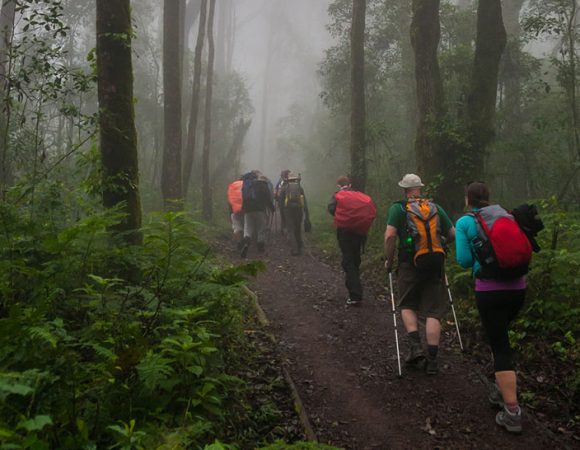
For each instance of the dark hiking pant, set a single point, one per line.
(497, 310)
(294, 218)
(351, 246)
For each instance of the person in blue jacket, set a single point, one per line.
(498, 302)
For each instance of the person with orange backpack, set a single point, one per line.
(353, 213)
(491, 242)
(419, 224)
(236, 213)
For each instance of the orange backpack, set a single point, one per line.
(235, 196)
(424, 228)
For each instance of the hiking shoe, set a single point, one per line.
(431, 366)
(511, 422)
(245, 248)
(416, 354)
(351, 302)
(494, 396)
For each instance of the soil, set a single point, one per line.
(343, 361)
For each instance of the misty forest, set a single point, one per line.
(171, 277)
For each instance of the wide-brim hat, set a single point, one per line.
(292, 176)
(411, 180)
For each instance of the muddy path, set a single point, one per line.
(343, 362)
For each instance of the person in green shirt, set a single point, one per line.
(420, 292)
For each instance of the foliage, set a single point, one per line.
(100, 362)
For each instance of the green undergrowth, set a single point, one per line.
(90, 360)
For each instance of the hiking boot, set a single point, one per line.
(245, 248)
(495, 397)
(416, 354)
(511, 422)
(352, 302)
(261, 247)
(431, 366)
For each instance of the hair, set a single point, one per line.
(343, 181)
(477, 194)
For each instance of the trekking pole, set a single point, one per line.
(453, 310)
(395, 322)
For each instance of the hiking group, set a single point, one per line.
(255, 205)
(496, 244)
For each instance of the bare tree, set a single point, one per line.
(171, 186)
(193, 114)
(118, 137)
(206, 191)
(358, 113)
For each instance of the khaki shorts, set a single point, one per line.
(425, 296)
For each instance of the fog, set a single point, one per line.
(279, 45)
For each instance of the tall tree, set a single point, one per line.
(194, 111)
(171, 186)
(481, 103)
(425, 36)
(7, 16)
(206, 190)
(118, 137)
(358, 113)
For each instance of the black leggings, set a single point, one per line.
(497, 309)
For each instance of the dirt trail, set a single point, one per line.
(343, 361)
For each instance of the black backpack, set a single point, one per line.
(249, 186)
(529, 221)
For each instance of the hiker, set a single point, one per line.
(498, 300)
(277, 197)
(236, 214)
(295, 210)
(256, 202)
(419, 224)
(353, 214)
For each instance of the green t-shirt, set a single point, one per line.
(398, 218)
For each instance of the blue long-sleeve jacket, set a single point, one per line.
(465, 232)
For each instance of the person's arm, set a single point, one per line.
(390, 245)
(306, 212)
(332, 205)
(463, 252)
(447, 226)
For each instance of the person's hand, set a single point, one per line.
(388, 266)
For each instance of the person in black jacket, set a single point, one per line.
(256, 202)
(350, 245)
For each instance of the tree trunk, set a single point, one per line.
(118, 137)
(206, 190)
(193, 114)
(171, 172)
(357, 118)
(7, 16)
(425, 36)
(227, 164)
(481, 103)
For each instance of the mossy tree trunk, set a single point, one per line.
(206, 190)
(7, 16)
(358, 162)
(481, 103)
(425, 36)
(118, 137)
(171, 186)
(194, 111)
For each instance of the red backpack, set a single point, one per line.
(355, 211)
(501, 247)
